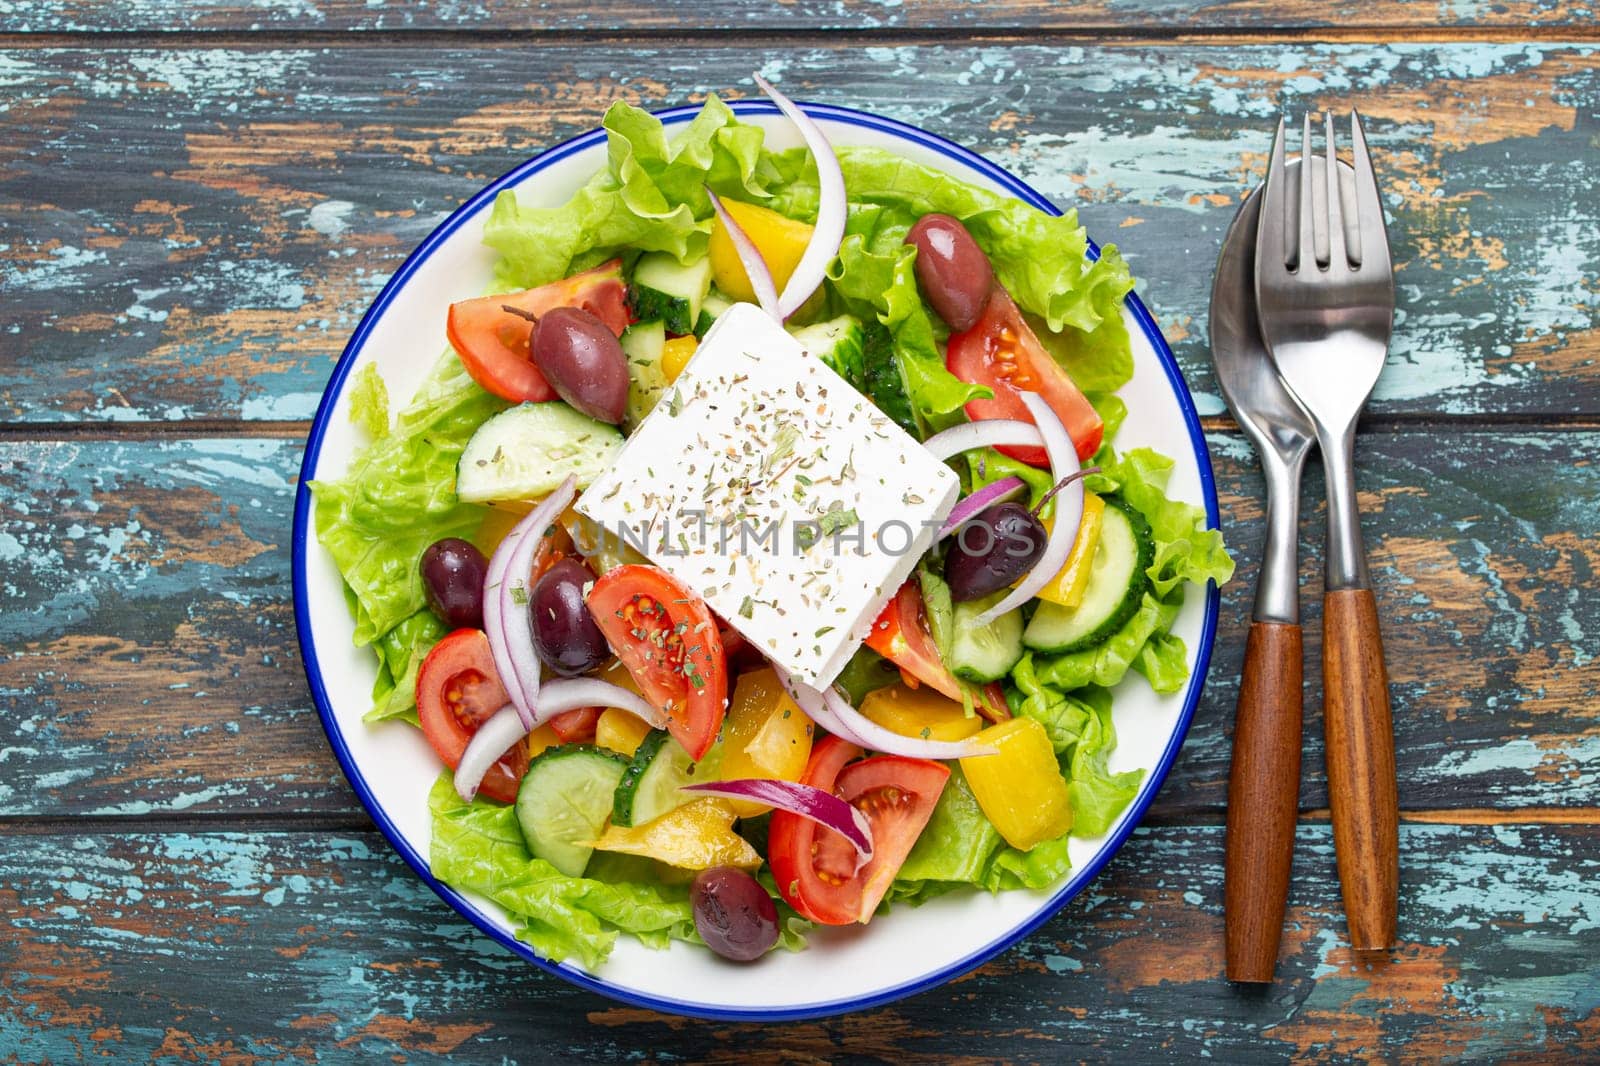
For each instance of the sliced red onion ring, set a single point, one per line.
(808, 801)
(492, 740)
(754, 266)
(508, 624)
(1069, 509)
(832, 207)
(568, 694)
(833, 712)
(1007, 488)
(984, 433)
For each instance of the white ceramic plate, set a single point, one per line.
(391, 767)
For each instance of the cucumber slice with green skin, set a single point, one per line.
(526, 452)
(882, 382)
(641, 345)
(839, 343)
(710, 310)
(985, 653)
(1117, 584)
(659, 768)
(564, 801)
(668, 290)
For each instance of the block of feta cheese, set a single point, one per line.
(767, 484)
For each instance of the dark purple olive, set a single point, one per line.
(733, 914)
(564, 633)
(452, 579)
(583, 361)
(992, 550)
(952, 270)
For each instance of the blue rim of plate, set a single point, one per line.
(419, 864)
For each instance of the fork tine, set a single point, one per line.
(1272, 246)
(1308, 217)
(1373, 246)
(1336, 249)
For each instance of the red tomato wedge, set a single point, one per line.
(901, 635)
(576, 725)
(815, 867)
(457, 691)
(667, 638)
(493, 343)
(1002, 352)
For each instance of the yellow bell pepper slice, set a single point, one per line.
(1066, 588)
(780, 240)
(675, 356)
(919, 712)
(540, 739)
(619, 731)
(764, 735)
(1020, 786)
(696, 836)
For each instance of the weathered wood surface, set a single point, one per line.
(152, 664)
(674, 16)
(192, 233)
(285, 947)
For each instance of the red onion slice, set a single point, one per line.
(508, 624)
(833, 712)
(832, 207)
(1007, 488)
(808, 801)
(568, 694)
(492, 740)
(984, 433)
(749, 255)
(1069, 509)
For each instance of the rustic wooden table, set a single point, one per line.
(197, 201)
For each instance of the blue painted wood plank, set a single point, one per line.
(212, 222)
(150, 665)
(278, 947)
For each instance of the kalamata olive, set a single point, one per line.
(564, 633)
(733, 914)
(993, 550)
(452, 580)
(583, 361)
(954, 273)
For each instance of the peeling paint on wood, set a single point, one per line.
(212, 222)
(60, 16)
(277, 946)
(151, 654)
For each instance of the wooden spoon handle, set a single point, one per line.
(1361, 776)
(1263, 798)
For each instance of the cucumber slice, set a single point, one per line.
(526, 452)
(882, 382)
(650, 787)
(985, 653)
(641, 344)
(564, 801)
(837, 342)
(1117, 583)
(710, 310)
(666, 289)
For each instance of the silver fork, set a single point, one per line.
(1326, 310)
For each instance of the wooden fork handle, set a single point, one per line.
(1263, 798)
(1361, 775)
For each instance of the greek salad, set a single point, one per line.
(758, 556)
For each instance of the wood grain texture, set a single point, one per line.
(323, 947)
(211, 222)
(150, 662)
(1263, 798)
(1362, 793)
(61, 16)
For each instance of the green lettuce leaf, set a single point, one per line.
(400, 496)
(1098, 796)
(478, 847)
(369, 402)
(1062, 715)
(400, 654)
(650, 197)
(1185, 549)
(1106, 664)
